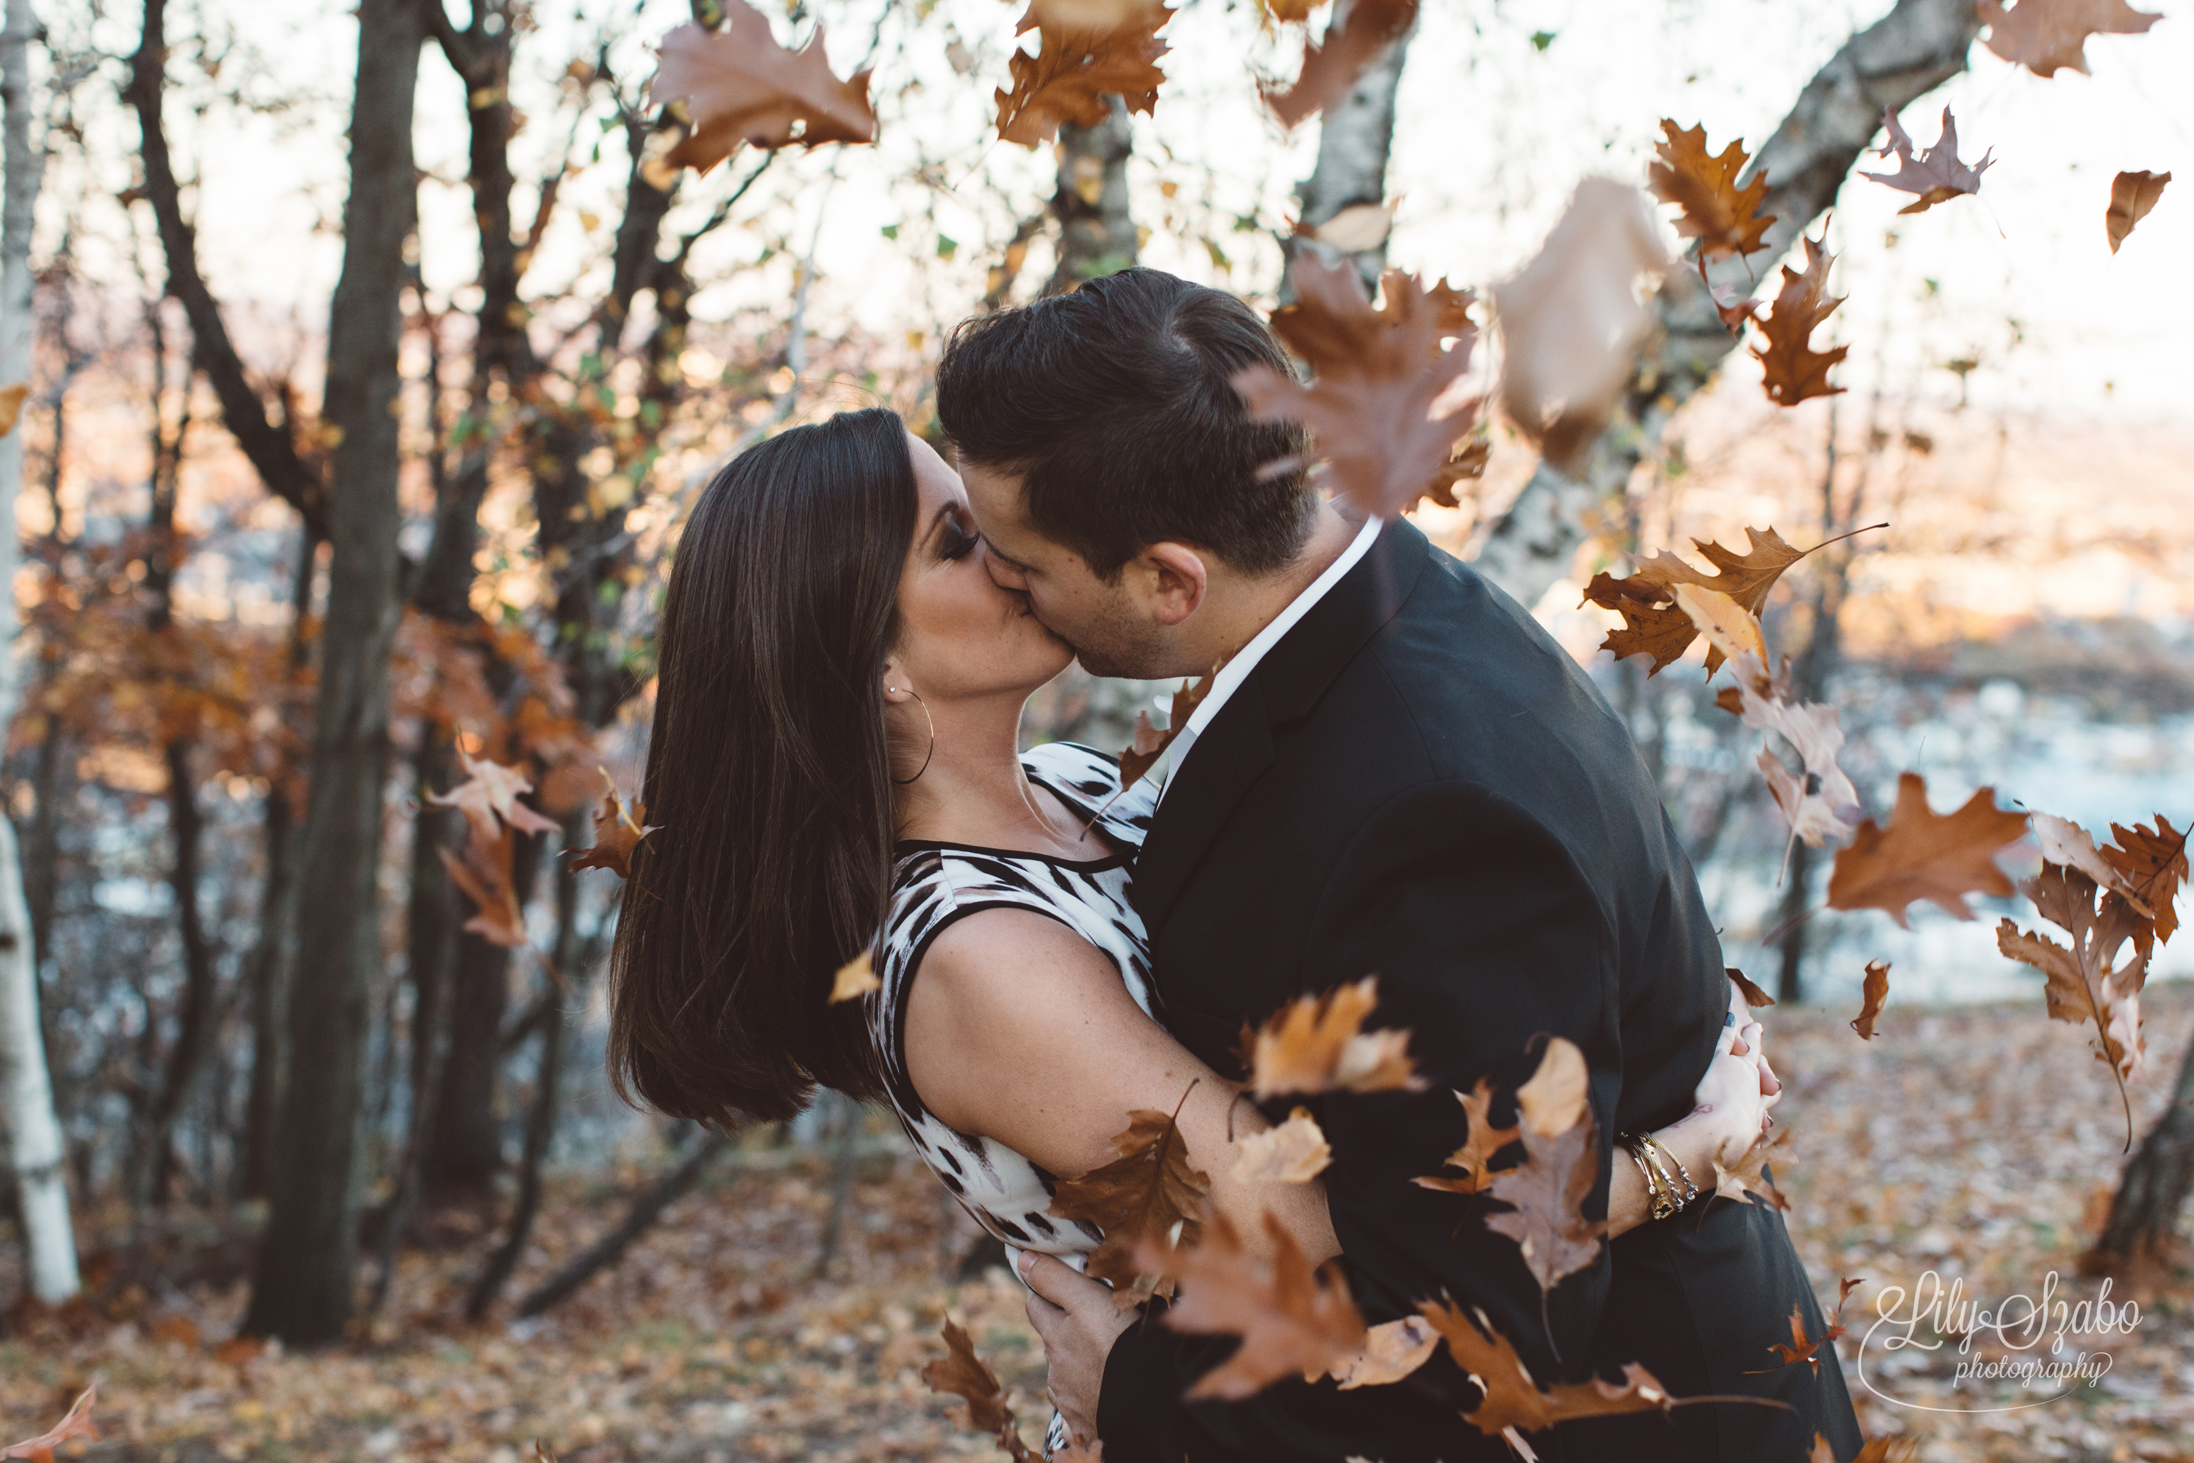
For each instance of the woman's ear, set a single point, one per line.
(896, 691)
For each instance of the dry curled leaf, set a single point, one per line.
(1721, 217)
(1819, 801)
(2046, 35)
(1925, 855)
(1480, 1143)
(1377, 375)
(1571, 323)
(1075, 69)
(1513, 1401)
(1318, 1044)
(740, 86)
(483, 873)
(1808, 1348)
(1391, 1351)
(1354, 229)
(618, 829)
(1875, 992)
(1791, 370)
(1142, 1195)
(1747, 1173)
(1291, 1319)
(1293, 1153)
(1331, 66)
(961, 1373)
(1546, 1193)
(1150, 744)
(1753, 995)
(1656, 626)
(77, 1424)
(2132, 195)
(1555, 1099)
(488, 797)
(2151, 862)
(855, 979)
(1935, 174)
(12, 397)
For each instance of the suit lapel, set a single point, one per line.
(1236, 749)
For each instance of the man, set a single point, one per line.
(1396, 773)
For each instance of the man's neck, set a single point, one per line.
(1245, 605)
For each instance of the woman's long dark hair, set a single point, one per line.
(769, 772)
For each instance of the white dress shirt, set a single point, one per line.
(1237, 670)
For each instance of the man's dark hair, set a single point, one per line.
(1113, 404)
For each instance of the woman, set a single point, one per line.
(834, 756)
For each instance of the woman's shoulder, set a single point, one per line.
(1092, 778)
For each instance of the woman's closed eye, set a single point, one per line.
(955, 542)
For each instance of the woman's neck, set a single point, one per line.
(973, 790)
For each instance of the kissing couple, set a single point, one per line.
(1395, 772)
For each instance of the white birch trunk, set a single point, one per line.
(26, 1089)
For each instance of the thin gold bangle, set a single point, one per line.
(1656, 1150)
(1662, 1194)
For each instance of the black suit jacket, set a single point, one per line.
(1417, 783)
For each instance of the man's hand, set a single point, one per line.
(1075, 1316)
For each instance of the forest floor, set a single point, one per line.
(1977, 1142)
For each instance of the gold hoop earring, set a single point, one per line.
(917, 777)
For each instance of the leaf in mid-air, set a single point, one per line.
(1141, 1195)
(740, 86)
(1922, 854)
(77, 1424)
(1480, 1143)
(1377, 373)
(1821, 804)
(1318, 1044)
(1330, 67)
(2044, 35)
(1753, 995)
(1561, 1158)
(618, 830)
(1513, 1402)
(1935, 174)
(2132, 195)
(483, 873)
(1150, 744)
(1293, 1153)
(855, 979)
(1875, 992)
(1391, 1351)
(1075, 69)
(12, 397)
(2152, 863)
(1746, 1173)
(1808, 1348)
(1791, 370)
(1656, 626)
(1723, 218)
(1291, 1319)
(488, 797)
(961, 1373)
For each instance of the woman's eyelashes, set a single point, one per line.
(956, 542)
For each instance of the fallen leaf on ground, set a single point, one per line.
(1391, 1351)
(1376, 374)
(1721, 217)
(77, 1424)
(1792, 371)
(1317, 1044)
(1925, 855)
(739, 86)
(1291, 1320)
(1293, 1153)
(1571, 323)
(2045, 35)
(1331, 66)
(1935, 174)
(1876, 991)
(1513, 1399)
(855, 979)
(1480, 1143)
(618, 830)
(1141, 1195)
(2132, 195)
(1073, 72)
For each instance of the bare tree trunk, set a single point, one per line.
(302, 1291)
(1909, 52)
(1355, 138)
(2144, 1215)
(26, 1087)
(1097, 233)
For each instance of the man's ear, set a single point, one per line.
(1172, 579)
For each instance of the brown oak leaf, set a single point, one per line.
(1875, 992)
(1808, 1348)
(618, 830)
(2152, 864)
(1150, 744)
(1561, 1158)
(1480, 1143)
(1723, 218)
(1571, 324)
(1377, 374)
(1293, 1153)
(2044, 35)
(12, 397)
(1819, 802)
(1139, 1196)
(961, 1373)
(2132, 195)
(1925, 855)
(1331, 66)
(483, 873)
(488, 797)
(1291, 1319)
(77, 1424)
(1753, 995)
(1792, 371)
(1655, 625)
(1935, 174)
(739, 86)
(1075, 69)
(1747, 1172)
(1391, 1351)
(1317, 1044)
(1513, 1402)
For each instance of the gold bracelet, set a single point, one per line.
(1658, 1151)
(1662, 1193)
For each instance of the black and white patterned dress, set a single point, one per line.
(935, 884)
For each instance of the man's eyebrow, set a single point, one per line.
(998, 553)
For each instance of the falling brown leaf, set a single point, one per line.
(483, 873)
(1293, 1153)
(740, 86)
(855, 979)
(488, 797)
(1875, 992)
(618, 830)
(1747, 1172)
(1723, 218)
(1391, 1351)
(2132, 195)
(77, 1424)
(1570, 320)
(1354, 229)
(1821, 805)
(1925, 855)
(1753, 995)
(1150, 744)
(961, 1373)
(1291, 1320)
(1286, 11)
(12, 397)
(1075, 69)
(1317, 1044)
(1378, 373)
(2152, 863)
(1792, 371)
(1561, 1159)
(1480, 1143)
(1512, 1399)
(1655, 625)
(1729, 627)
(2044, 35)
(1935, 174)
(1808, 1348)
(1331, 66)
(1141, 1195)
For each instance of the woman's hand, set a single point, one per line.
(1732, 1099)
